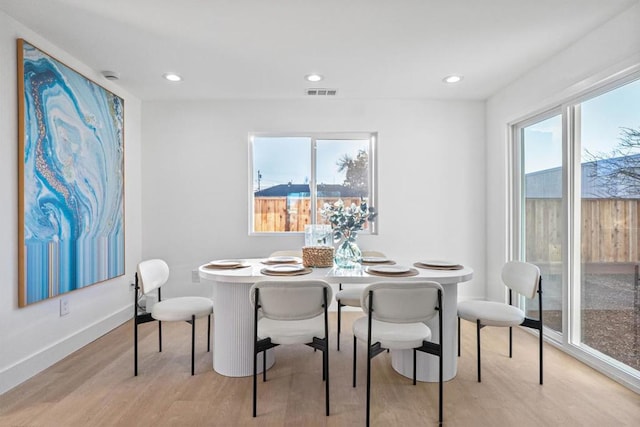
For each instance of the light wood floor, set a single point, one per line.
(96, 387)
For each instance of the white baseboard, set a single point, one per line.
(35, 363)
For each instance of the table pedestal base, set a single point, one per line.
(427, 364)
(233, 331)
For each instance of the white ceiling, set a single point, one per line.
(264, 48)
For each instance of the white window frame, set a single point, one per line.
(314, 137)
(569, 107)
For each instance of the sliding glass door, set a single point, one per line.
(608, 132)
(577, 205)
(541, 214)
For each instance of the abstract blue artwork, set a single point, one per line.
(71, 177)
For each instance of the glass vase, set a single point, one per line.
(348, 254)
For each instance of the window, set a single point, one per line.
(542, 206)
(293, 176)
(577, 210)
(608, 134)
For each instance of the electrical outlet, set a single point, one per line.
(64, 306)
(195, 276)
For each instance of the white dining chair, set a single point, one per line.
(290, 312)
(396, 312)
(151, 275)
(523, 278)
(351, 295)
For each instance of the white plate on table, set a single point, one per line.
(375, 259)
(389, 269)
(439, 263)
(228, 263)
(284, 268)
(284, 259)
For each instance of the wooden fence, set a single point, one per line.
(609, 226)
(609, 230)
(276, 214)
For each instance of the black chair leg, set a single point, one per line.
(324, 368)
(135, 347)
(264, 366)
(339, 324)
(255, 379)
(540, 331)
(325, 350)
(478, 342)
(510, 342)
(135, 326)
(541, 324)
(440, 389)
(368, 383)
(255, 352)
(159, 336)
(193, 343)
(354, 360)
(414, 366)
(326, 364)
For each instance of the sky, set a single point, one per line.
(288, 159)
(601, 120)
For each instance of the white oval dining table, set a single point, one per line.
(233, 325)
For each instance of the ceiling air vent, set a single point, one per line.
(322, 92)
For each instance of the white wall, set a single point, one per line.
(34, 337)
(611, 49)
(195, 178)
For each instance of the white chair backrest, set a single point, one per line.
(152, 273)
(402, 302)
(297, 253)
(522, 277)
(291, 300)
(373, 253)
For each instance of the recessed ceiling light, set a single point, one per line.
(452, 79)
(313, 77)
(172, 77)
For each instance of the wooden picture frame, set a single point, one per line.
(71, 179)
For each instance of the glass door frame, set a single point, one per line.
(517, 207)
(569, 109)
(573, 341)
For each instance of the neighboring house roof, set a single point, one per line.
(547, 184)
(324, 190)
